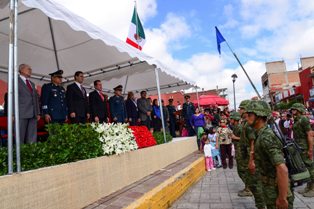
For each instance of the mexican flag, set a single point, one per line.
(136, 37)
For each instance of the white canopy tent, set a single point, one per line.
(50, 37)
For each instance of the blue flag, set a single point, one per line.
(219, 38)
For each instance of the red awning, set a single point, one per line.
(206, 100)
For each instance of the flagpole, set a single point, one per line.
(234, 54)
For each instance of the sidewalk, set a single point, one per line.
(157, 190)
(218, 189)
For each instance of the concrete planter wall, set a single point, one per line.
(75, 185)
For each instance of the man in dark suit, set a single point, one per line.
(117, 106)
(98, 104)
(144, 109)
(187, 111)
(53, 101)
(172, 117)
(131, 109)
(28, 106)
(77, 100)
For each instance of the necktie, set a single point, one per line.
(101, 96)
(29, 86)
(83, 91)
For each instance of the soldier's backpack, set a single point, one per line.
(298, 172)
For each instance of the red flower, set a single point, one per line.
(143, 136)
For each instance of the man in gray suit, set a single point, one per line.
(28, 106)
(144, 109)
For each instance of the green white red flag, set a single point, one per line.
(136, 37)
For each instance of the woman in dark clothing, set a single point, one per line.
(131, 109)
(156, 116)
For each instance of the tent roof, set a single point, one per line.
(206, 100)
(51, 37)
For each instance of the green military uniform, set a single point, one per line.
(300, 128)
(242, 163)
(251, 181)
(237, 129)
(268, 154)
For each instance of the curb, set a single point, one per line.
(165, 194)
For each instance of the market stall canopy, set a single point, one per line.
(51, 37)
(207, 100)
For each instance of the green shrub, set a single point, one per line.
(159, 137)
(66, 143)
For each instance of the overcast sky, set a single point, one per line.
(181, 34)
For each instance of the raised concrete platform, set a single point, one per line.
(158, 190)
(75, 185)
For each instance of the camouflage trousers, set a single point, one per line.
(242, 164)
(308, 163)
(251, 181)
(270, 194)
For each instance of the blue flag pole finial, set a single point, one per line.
(220, 39)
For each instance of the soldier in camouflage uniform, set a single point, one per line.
(303, 137)
(235, 118)
(269, 159)
(241, 155)
(252, 182)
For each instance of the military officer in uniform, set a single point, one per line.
(117, 106)
(303, 137)
(53, 99)
(269, 159)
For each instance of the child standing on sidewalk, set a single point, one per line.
(209, 163)
(215, 152)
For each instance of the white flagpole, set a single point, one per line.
(16, 93)
(160, 105)
(10, 88)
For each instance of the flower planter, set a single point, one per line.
(75, 185)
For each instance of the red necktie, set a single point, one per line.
(29, 86)
(101, 96)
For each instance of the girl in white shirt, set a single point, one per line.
(209, 163)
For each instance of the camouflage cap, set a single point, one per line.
(235, 116)
(299, 107)
(244, 104)
(260, 108)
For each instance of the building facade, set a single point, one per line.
(280, 85)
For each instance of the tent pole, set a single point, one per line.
(53, 43)
(198, 99)
(10, 89)
(126, 83)
(160, 105)
(16, 93)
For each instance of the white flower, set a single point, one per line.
(116, 138)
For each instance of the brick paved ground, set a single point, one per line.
(131, 193)
(218, 189)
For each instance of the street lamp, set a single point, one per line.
(234, 77)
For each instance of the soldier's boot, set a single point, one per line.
(310, 192)
(306, 189)
(245, 193)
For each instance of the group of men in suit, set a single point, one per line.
(59, 105)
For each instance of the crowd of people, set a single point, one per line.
(222, 135)
(56, 104)
(250, 137)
